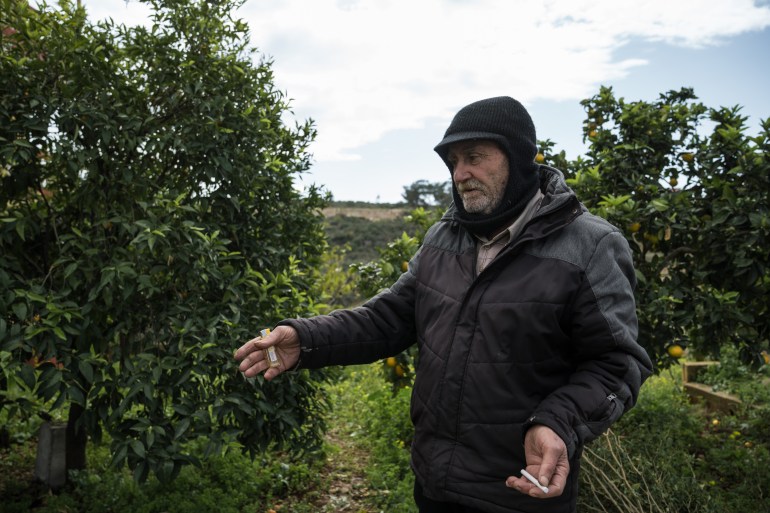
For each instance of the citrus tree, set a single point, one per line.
(690, 189)
(149, 225)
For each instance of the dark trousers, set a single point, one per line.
(425, 505)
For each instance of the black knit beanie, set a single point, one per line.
(506, 122)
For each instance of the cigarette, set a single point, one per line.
(534, 481)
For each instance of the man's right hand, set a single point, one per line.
(252, 357)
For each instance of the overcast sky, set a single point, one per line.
(383, 78)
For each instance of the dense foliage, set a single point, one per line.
(692, 192)
(150, 225)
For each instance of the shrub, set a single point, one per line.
(646, 462)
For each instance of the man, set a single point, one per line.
(521, 303)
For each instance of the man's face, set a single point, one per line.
(480, 174)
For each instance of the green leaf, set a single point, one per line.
(27, 375)
(71, 268)
(76, 395)
(659, 204)
(138, 447)
(119, 456)
(86, 371)
(181, 428)
(140, 472)
(32, 296)
(20, 310)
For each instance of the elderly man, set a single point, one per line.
(521, 303)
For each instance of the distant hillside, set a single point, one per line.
(371, 213)
(364, 228)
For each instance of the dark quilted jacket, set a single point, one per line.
(546, 334)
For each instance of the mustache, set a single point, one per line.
(469, 185)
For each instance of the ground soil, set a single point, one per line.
(346, 466)
(344, 485)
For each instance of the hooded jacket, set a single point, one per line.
(545, 334)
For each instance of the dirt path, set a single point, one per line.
(344, 487)
(348, 489)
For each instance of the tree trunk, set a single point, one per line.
(76, 439)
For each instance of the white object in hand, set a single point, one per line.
(270, 354)
(534, 481)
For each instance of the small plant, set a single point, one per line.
(647, 463)
(737, 373)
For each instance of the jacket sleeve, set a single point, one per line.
(383, 326)
(610, 365)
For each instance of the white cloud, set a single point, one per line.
(126, 12)
(363, 68)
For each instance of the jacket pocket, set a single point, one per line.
(601, 419)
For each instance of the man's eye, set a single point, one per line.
(474, 158)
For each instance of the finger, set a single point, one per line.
(255, 369)
(246, 349)
(255, 344)
(548, 465)
(559, 478)
(253, 362)
(556, 474)
(522, 485)
(272, 372)
(547, 469)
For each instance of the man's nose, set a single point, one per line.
(461, 172)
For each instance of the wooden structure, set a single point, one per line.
(714, 401)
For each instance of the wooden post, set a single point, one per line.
(51, 462)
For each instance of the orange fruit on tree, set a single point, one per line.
(675, 351)
(539, 158)
(635, 227)
(399, 371)
(688, 157)
(390, 362)
(404, 266)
